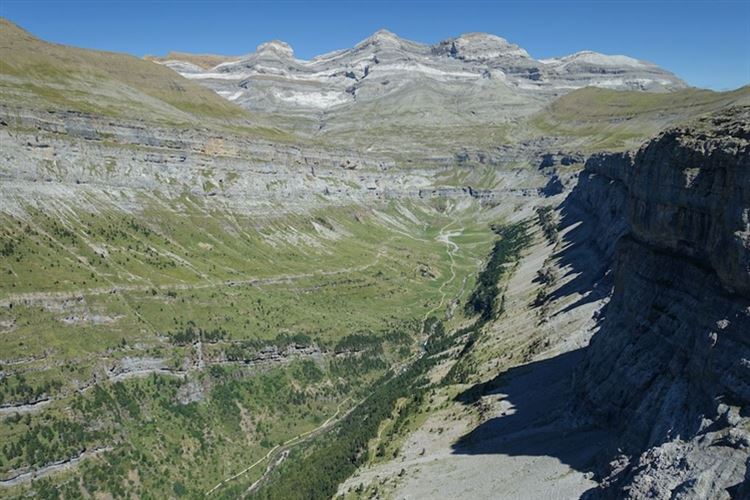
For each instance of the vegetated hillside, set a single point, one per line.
(38, 73)
(180, 345)
(190, 305)
(180, 293)
(205, 61)
(596, 118)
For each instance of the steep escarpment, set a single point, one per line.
(668, 366)
(203, 274)
(58, 155)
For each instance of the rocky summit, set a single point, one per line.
(386, 85)
(393, 271)
(384, 65)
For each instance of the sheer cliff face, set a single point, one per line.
(669, 365)
(690, 193)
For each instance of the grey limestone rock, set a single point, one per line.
(668, 366)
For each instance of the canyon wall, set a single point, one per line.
(668, 367)
(50, 155)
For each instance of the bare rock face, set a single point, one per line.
(691, 191)
(384, 66)
(668, 368)
(391, 95)
(59, 155)
(479, 47)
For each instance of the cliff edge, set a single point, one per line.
(668, 367)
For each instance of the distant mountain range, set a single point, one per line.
(394, 271)
(385, 65)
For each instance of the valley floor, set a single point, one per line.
(512, 436)
(132, 353)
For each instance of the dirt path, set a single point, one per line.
(283, 448)
(35, 298)
(451, 249)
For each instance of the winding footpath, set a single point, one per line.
(40, 298)
(278, 453)
(451, 249)
(283, 450)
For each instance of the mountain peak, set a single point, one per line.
(384, 65)
(592, 57)
(479, 47)
(382, 37)
(277, 47)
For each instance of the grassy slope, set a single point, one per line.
(596, 119)
(44, 74)
(428, 118)
(177, 263)
(375, 430)
(191, 265)
(205, 61)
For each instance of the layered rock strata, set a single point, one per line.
(668, 368)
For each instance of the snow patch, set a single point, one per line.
(181, 66)
(425, 70)
(230, 96)
(311, 99)
(216, 76)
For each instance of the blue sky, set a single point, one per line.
(707, 43)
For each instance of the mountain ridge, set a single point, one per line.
(387, 296)
(385, 36)
(382, 63)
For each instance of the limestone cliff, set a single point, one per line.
(668, 367)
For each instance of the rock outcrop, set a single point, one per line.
(50, 155)
(442, 127)
(668, 368)
(384, 65)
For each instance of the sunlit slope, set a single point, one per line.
(596, 118)
(41, 74)
(205, 61)
(181, 346)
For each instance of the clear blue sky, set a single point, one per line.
(707, 43)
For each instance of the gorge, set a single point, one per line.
(398, 270)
